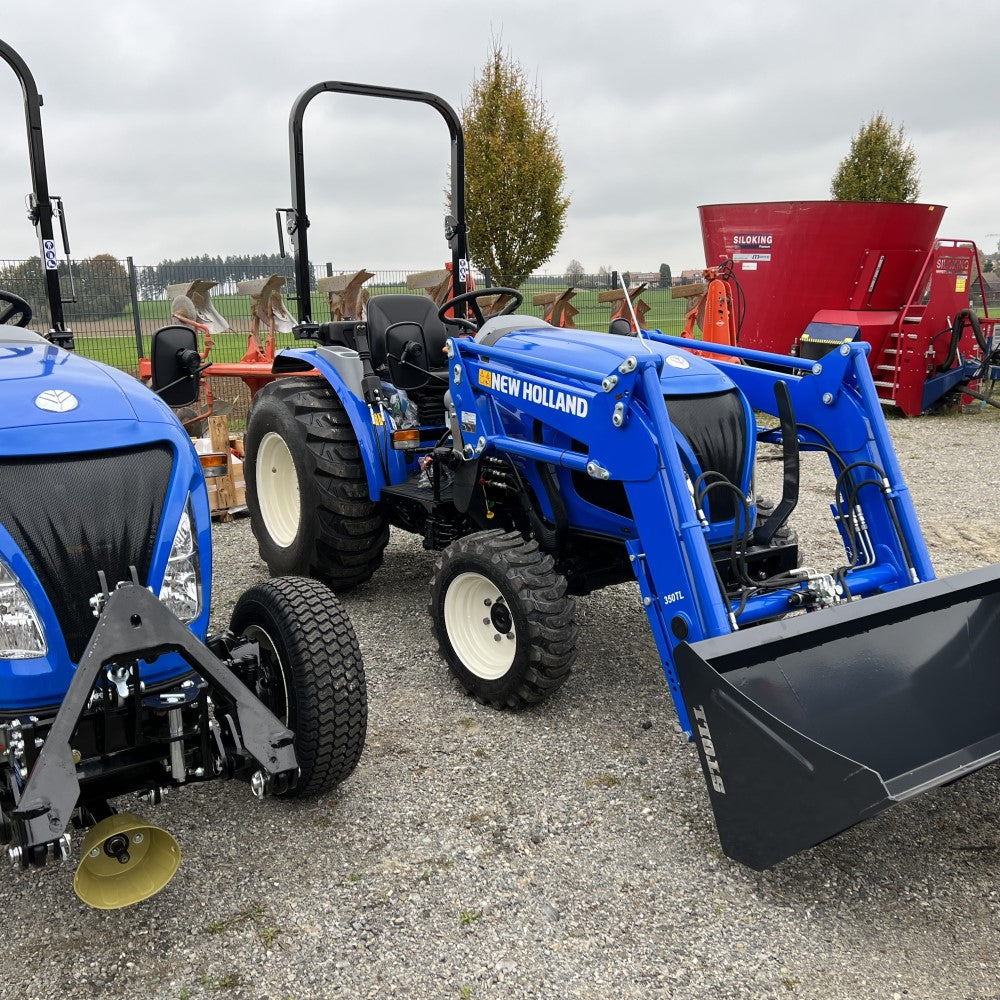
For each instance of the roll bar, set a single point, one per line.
(297, 221)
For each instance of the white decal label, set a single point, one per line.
(676, 361)
(553, 399)
(708, 747)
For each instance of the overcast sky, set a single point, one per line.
(166, 123)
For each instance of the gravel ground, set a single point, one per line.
(565, 851)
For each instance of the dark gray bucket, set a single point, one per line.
(809, 725)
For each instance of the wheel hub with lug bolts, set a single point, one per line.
(501, 619)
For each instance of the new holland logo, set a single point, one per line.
(56, 401)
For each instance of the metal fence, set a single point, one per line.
(114, 306)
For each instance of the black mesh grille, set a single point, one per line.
(715, 428)
(74, 515)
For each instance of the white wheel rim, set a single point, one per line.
(278, 490)
(471, 621)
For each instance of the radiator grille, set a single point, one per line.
(74, 515)
(715, 427)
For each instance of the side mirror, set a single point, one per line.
(176, 365)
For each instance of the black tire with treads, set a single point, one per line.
(311, 675)
(536, 616)
(339, 533)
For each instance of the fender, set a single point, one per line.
(383, 466)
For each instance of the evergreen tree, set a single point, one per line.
(881, 166)
(514, 173)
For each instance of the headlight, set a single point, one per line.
(21, 635)
(181, 590)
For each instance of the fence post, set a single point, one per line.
(136, 318)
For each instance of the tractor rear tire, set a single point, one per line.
(311, 675)
(306, 486)
(502, 618)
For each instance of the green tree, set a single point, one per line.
(105, 290)
(881, 165)
(514, 173)
(665, 277)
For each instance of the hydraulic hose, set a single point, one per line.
(962, 318)
(552, 538)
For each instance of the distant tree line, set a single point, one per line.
(152, 280)
(94, 288)
(606, 277)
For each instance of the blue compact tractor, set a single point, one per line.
(109, 681)
(544, 463)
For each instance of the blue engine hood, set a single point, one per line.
(40, 381)
(682, 373)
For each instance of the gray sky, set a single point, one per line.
(166, 123)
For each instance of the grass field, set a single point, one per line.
(113, 340)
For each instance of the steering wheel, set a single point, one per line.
(15, 307)
(472, 298)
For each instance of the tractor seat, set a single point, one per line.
(394, 320)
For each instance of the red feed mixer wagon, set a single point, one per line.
(808, 275)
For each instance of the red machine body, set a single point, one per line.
(815, 273)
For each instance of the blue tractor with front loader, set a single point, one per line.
(110, 683)
(544, 463)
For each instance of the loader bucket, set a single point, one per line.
(811, 724)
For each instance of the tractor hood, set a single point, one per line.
(45, 386)
(682, 373)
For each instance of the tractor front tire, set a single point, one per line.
(502, 618)
(306, 486)
(311, 675)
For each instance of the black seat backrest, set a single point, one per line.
(385, 311)
(622, 327)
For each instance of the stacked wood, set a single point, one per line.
(226, 493)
